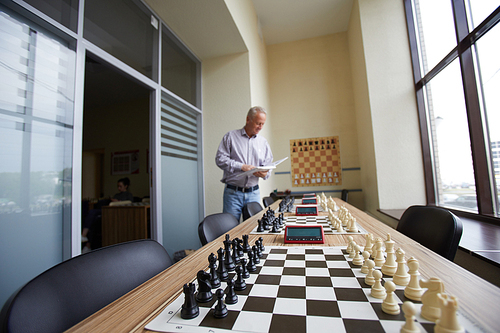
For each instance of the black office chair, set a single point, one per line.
(274, 196)
(215, 225)
(71, 291)
(250, 209)
(267, 201)
(345, 195)
(434, 227)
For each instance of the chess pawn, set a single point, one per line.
(431, 308)
(261, 243)
(369, 279)
(251, 267)
(220, 310)
(377, 290)
(339, 226)
(390, 305)
(379, 253)
(231, 297)
(244, 271)
(448, 322)
(390, 266)
(413, 290)
(364, 268)
(349, 244)
(357, 260)
(240, 283)
(353, 249)
(256, 258)
(401, 277)
(410, 325)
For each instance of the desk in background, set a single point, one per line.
(478, 299)
(124, 223)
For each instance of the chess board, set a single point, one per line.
(311, 220)
(299, 289)
(316, 162)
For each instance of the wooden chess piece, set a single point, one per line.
(410, 325)
(448, 322)
(431, 307)
(401, 277)
(413, 290)
(390, 266)
(190, 308)
(390, 305)
(377, 290)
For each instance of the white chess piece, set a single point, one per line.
(401, 277)
(369, 280)
(369, 243)
(390, 266)
(410, 325)
(448, 322)
(413, 290)
(353, 227)
(379, 253)
(431, 309)
(377, 290)
(358, 259)
(390, 305)
(349, 244)
(364, 268)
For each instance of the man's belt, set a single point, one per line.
(243, 189)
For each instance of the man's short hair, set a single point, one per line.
(254, 110)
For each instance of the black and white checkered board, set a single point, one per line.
(298, 289)
(311, 220)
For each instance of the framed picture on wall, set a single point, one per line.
(125, 162)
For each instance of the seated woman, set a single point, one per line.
(94, 214)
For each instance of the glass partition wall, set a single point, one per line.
(43, 47)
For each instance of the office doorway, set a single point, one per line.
(115, 147)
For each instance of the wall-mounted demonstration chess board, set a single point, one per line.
(299, 289)
(316, 161)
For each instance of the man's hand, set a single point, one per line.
(260, 174)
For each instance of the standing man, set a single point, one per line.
(242, 150)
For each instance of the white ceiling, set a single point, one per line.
(291, 20)
(207, 28)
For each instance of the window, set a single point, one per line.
(457, 78)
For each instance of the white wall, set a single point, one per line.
(312, 96)
(392, 168)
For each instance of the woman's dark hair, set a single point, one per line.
(125, 181)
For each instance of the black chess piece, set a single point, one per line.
(204, 287)
(246, 246)
(221, 268)
(260, 228)
(240, 248)
(261, 242)
(190, 308)
(275, 227)
(214, 277)
(240, 283)
(251, 264)
(228, 259)
(236, 257)
(257, 247)
(220, 310)
(231, 297)
(244, 271)
(256, 258)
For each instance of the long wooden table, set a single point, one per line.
(479, 300)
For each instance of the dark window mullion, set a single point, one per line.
(482, 175)
(422, 114)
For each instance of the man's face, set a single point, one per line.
(255, 124)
